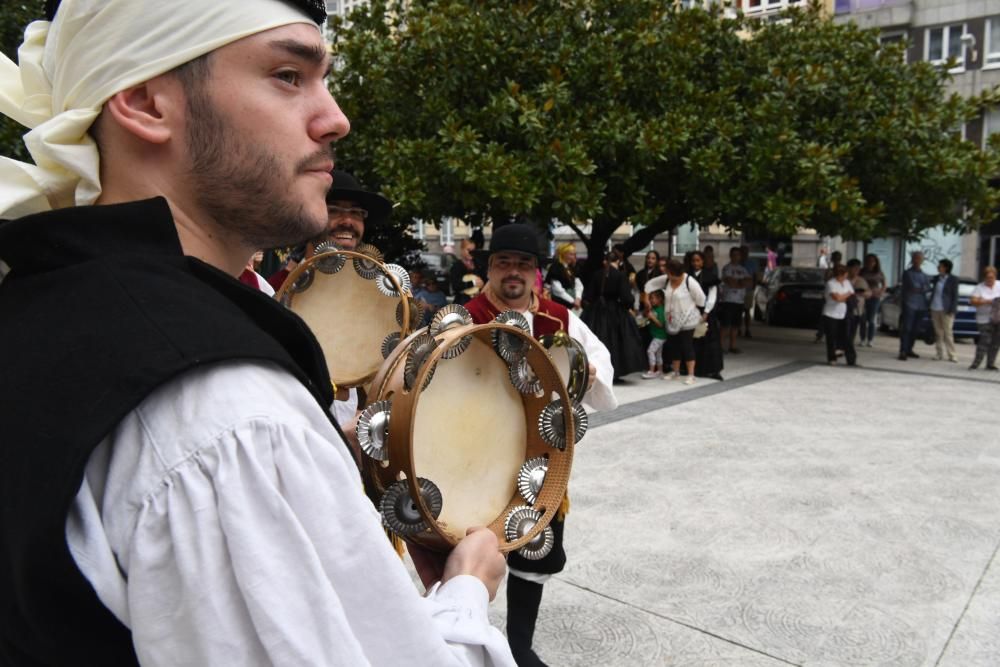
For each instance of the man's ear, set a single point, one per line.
(151, 111)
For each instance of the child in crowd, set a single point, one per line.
(658, 331)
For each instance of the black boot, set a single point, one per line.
(523, 599)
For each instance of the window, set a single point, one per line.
(945, 43)
(991, 124)
(893, 38)
(992, 42)
(755, 6)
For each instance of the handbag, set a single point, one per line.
(995, 311)
(701, 329)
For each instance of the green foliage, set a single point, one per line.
(13, 20)
(613, 110)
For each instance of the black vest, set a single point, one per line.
(99, 309)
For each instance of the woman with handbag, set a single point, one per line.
(986, 298)
(683, 298)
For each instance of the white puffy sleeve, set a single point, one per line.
(601, 395)
(253, 543)
(710, 298)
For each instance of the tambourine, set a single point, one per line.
(357, 307)
(470, 425)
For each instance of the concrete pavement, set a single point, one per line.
(794, 514)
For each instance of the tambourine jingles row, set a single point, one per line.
(466, 426)
(357, 307)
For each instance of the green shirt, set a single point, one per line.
(658, 331)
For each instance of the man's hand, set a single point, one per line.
(591, 375)
(478, 554)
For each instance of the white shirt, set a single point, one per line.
(836, 310)
(224, 523)
(345, 412)
(981, 291)
(680, 302)
(558, 290)
(733, 294)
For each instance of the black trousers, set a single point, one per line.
(838, 338)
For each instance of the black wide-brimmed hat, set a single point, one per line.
(346, 187)
(515, 237)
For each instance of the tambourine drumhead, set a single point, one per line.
(349, 316)
(470, 436)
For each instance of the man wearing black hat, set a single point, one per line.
(173, 490)
(513, 261)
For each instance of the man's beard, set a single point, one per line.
(240, 186)
(512, 290)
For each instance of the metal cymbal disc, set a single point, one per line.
(519, 523)
(508, 346)
(373, 430)
(400, 512)
(325, 246)
(416, 313)
(523, 377)
(551, 426)
(579, 367)
(449, 317)
(389, 344)
(420, 349)
(303, 282)
(531, 477)
(385, 284)
(368, 267)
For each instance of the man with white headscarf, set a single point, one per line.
(172, 489)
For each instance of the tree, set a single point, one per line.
(13, 20)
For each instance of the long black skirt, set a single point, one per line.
(708, 350)
(614, 325)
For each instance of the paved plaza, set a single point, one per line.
(795, 514)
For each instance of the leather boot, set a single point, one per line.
(523, 599)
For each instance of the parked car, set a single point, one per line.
(790, 296)
(965, 317)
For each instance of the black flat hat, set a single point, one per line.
(515, 238)
(346, 188)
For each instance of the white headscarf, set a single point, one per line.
(92, 50)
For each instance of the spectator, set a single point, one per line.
(944, 305)
(662, 263)
(465, 275)
(837, 293)
(431, 298)
(607, 314)
(710, 267)
(735, 283)
(986, 298)
(683, 299)
(650, 269)
(707, 348)
(772, 258)
(624, 265)
(913, 292)
(856, 304)
(872, 273)
(752, 266)
(565, 285)
(836, 259)
(823, 261)
(658, 335)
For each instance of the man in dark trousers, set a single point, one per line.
(173, 490)
(513, 260)
(913, 300)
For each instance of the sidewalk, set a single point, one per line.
(793, 514)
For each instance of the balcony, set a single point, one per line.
(859, 6)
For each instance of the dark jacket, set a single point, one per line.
(949, 297)
(99, 309)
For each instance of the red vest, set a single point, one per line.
(550, 318)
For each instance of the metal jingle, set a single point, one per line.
(326, 246)
(329, 262)
(519, 523)
(551, 426)
(387, 287)
(389, 344)
(448, 317)
(540, 546)
(508, 346)
(368, 266)
(416, 313)
(531, 477)
(513, 318)
(420, 349)
(373, 430)
(579, 367)
(400, 512)
(303, 282)
(523, 377)
(286, 300)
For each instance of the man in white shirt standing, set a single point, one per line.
(172, 488)
(736, 280)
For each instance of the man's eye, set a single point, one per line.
(290, 77)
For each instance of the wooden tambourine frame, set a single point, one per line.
(287, 295)
(389, 384)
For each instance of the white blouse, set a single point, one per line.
(224, 523)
